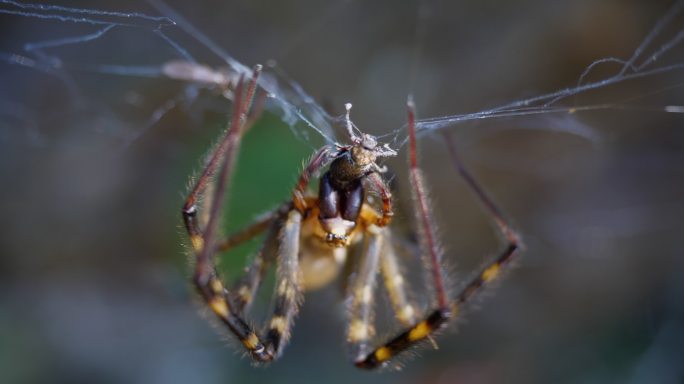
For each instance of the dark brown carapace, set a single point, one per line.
(308, 239)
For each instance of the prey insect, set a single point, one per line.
(309, 239)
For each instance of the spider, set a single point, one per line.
(308, 238)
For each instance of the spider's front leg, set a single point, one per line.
(378, 184)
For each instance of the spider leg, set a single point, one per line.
(259, 225)
(445, 309)
(429, 246)
(318, 161)
(395, 284)
(513, 243)
(503, 225)
(224, 154)
(288, 286)
(287, 295)
(377, 252)
(243, 291)
(203, 240)
(379, 185)
(360, 329)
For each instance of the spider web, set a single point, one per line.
(645, 61)
(285, 97)
(655, 55)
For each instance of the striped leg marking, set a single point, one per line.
(405, 340)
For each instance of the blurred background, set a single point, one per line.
(94, 279)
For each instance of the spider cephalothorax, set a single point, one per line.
(308, 238)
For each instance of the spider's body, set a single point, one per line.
(320, 261)
(309, 237)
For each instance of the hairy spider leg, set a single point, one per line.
(376, 254)
(259, 225)
(503, 225)
(445, 308)
(244, 290)
(205, 278)
(204, 241)
(492, 270)
(438, 317)
(395, 283)
(317, 162)
(379, 185)
(361, 292)
(288, 294)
